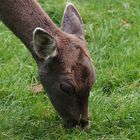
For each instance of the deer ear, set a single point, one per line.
(45, 45)
(72, 22)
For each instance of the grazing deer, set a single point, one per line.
(65, 67)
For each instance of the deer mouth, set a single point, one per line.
(81, 123)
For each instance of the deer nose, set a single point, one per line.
(83, 123)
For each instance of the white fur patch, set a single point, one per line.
(52, 55)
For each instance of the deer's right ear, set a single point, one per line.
(72, 22)
(45, 45)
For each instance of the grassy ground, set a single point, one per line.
(112, 30)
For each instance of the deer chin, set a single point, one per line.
(80, 123)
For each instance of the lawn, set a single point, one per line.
(112, 31)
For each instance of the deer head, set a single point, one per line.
(66, 70)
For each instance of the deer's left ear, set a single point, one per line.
(72, 22)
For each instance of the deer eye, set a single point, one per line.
(67, 88)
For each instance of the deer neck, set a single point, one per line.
(22, 17)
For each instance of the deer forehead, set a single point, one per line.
(70, 49)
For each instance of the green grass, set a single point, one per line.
(112, 30)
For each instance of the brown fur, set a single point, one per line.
(68, 76)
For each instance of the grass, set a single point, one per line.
(112, 31)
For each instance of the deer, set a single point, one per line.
(61, 54)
